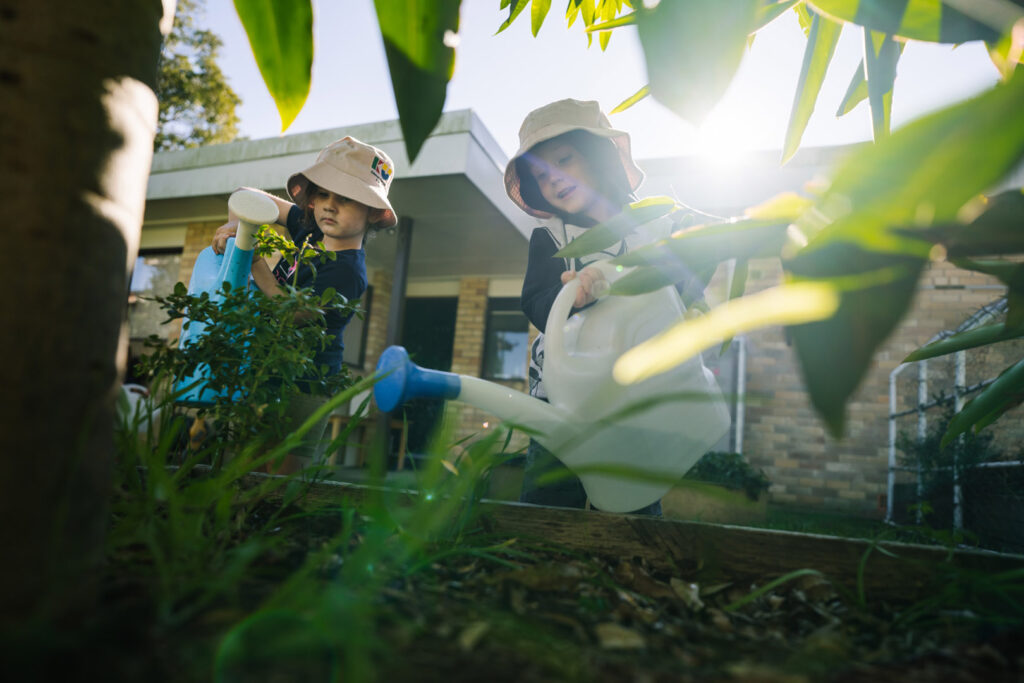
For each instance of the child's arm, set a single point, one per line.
(220, 237)
(544, 278)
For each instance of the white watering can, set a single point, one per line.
(212, 270)
(658, 444)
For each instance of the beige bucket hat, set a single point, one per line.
(559, 117)
(352, 169)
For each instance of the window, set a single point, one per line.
(155, 273)
(354, 334)
(506, 342)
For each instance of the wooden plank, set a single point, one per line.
(713, 552)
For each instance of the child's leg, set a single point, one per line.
(566, 492)
(311, 450)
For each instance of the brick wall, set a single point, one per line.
(784, 436)
(380, 306)
(467, 358)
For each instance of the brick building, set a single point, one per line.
(445, 284)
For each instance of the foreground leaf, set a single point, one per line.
(631, 100)
(928, 20)
(281, 37)
(979, 336)
(703, 247)
(835, 354)
(611, 231)
(881, 53)
(693, 49)
(1005, 393)
(821, 45)
(997, 231)
(420, 62)
(786, 304)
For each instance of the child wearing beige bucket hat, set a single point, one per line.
(338, 200)
(573, 171)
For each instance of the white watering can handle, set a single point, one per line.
(253, 209)
(554, 346)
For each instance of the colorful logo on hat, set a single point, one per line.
(381, 169)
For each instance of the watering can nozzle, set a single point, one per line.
(403, 380)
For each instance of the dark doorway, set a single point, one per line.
(428, 334)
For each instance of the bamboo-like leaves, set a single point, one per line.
(881, 53)
(857, 91)
(515, 8)
(631, 100)
(997, 230)
(791, 303)
(970, 339)
(821, 45)
(420, 61)
(693, 49)
(280, 33)
(923, 175)
(1003, 394)
(611, 231)
(924, 172)
(1009, 273)
(927, 20)
(538, 11)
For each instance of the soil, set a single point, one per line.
(497, 610)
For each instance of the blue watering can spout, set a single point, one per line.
(403, 380)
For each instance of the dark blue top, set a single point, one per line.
(346, 274)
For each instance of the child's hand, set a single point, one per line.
(592, 285)
(220, 237)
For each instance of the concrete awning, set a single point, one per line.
(463, 224)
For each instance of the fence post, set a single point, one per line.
(958, 393)
(922, 429)
(890, 480)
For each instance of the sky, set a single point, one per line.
(503, 77)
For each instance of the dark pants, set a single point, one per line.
(567, 491)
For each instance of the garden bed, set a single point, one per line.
(525, 593)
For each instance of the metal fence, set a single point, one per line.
(960, 393)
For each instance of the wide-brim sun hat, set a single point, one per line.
(560, 117)
(351, 169)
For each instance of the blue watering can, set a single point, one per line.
(212, 270)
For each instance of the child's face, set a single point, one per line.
(337, 216)
(565, 179)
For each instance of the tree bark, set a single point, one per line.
(77, 118)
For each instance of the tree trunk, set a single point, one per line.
(77, 118)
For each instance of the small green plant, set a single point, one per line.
(257, 351)
(732, 471)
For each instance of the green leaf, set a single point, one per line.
(856, 92)
(693, 49)
(631, 100)
(928, 20)
(922, 175)
(517, 6)
(790, 303)
(611, 231)
(834, 354)
(1005, 54)
(1009, 273)
(281, 37)
(1003, 394)
(420, 63)
(821, 45)
(979, 336)
(624, 20)
(646, 279)
(538, 10)
(702, 248)
(770, 11)
(995, 231)
(881, 53)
